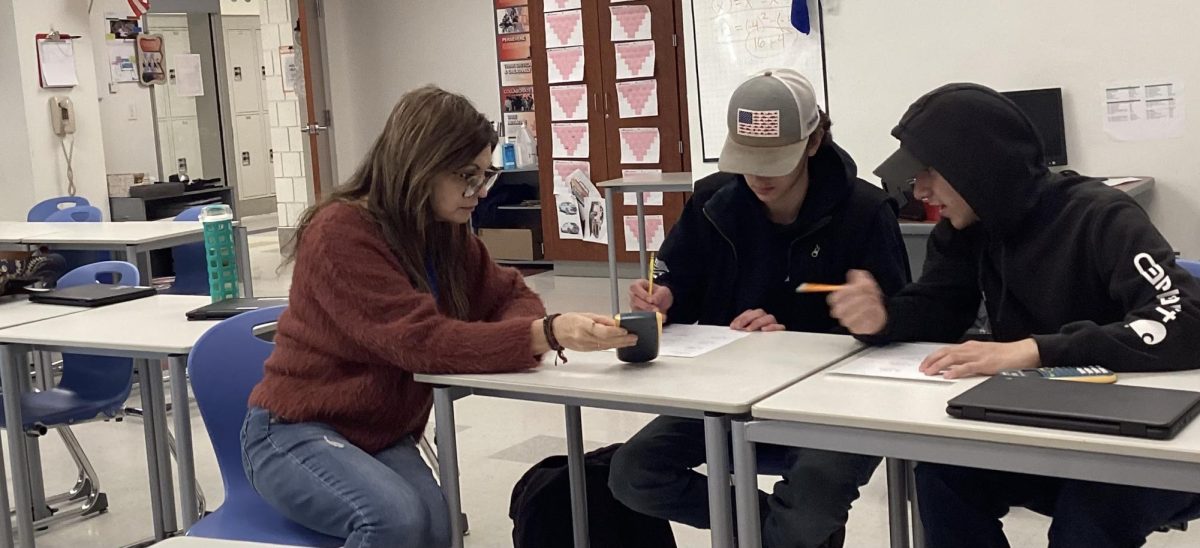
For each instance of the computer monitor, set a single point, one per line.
(1044, 108)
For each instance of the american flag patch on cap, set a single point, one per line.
(758, 123)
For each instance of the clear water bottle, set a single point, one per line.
(526, 147)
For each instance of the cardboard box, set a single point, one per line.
(514, 244)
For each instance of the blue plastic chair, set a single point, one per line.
(43, 209)
(77, 214)
(1193, 267)
(191, 267)
(224, 366)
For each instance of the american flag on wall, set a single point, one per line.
(758, 123)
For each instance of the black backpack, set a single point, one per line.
(541, 509)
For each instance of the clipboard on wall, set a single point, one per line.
(56, 60)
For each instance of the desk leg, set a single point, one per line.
(745, 486)
(613, 282)
(152, 463)
(141, 262)
(579, 516)
(12, 367)
(720, 507)
(918, 528)
(245, 277)
(897, 487)
(33, 446)
(189, 507)
(447, 456)
(6, 532)
(641, 218)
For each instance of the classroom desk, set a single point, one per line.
(907, 420)
(15, 232)
(131, 240)
(666, 182)
(146, 330)
(724, 382)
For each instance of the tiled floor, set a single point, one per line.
(499, 441)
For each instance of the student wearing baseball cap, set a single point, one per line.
(786, 208)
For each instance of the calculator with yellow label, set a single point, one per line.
(1086, 373)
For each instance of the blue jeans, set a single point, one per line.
(653, 474)
(314, 477)
(962, 507)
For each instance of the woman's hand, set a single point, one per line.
(590, 332)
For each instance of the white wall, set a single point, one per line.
(379, 49)
(285, 115)
(880, 56)
(38, 170)
(128, 135)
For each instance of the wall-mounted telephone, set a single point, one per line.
(62, 115)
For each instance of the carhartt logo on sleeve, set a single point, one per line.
(1169, 304)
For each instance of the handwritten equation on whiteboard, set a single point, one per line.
(761, 27)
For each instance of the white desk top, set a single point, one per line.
(152, 325)
(726, 380)
(919, 407)
(14, 312)
(666, 182)
(14, 232)
(197, 542)
(124, 233)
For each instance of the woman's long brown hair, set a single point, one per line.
(430, 132)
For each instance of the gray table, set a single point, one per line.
(907, 421)
(666, 182)
(147, 329)
(712, 387)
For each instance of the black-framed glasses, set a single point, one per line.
(479, 182)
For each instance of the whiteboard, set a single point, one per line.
(737, 38)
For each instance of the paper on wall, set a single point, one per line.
(122, 61)
(1142, 111)
(581, 187)
(595, 221)
(189, 81)
(570, 140)
(655, 232)
(565, 64)
(639, 145)
(57, 61)
(570, 226)
(635, 59)
(648, 198)
(564, 28)
(630, 23)
(560, 5)
(563, 170)
(569, 102)
(637, 98)
(516, 73)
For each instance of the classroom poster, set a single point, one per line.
(565, 64)
(595, 229)
(639, 145)
(630, 23)
(514, 120)
(513, 46)
(568, 102)
(560, 5)
(512, 20)
(635, 59)
(517, 99)
(511, 3)
(637, 98)
(570, 140)
(655, 232)
(1144, 110)
(570, 225)
(562, 171)
(564, 28)
(516, 73)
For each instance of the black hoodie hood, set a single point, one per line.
(984, 146)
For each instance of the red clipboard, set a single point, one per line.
(38, 39)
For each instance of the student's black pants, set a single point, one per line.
(962, 507)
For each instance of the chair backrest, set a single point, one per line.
(191, 265)
(1193, 267)
(77, 214)
(224, 366)
(38, 213)
(125, 274)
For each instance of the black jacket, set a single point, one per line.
(712, 257)
(1074, 264)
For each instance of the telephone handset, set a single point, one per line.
(62, 115)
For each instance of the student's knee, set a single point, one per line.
(401, 521)
(629, 473)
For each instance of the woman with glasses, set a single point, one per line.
(388, 282)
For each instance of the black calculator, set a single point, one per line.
(1086, 373)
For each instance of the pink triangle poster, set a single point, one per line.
(564, 28)
(635, 59)
(639, 145)
(565, 64)
(637, 98)
(569, 102)
(570, 140)
(630, 23)
(560, 5)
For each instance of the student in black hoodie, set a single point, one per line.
(1071, 273)
(787, 208)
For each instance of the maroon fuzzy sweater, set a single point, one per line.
(356, 330)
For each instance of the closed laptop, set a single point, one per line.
(92, 295)
(229, 308)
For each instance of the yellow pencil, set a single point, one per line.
(818, 288)
(650, 274)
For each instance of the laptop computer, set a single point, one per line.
(1135, 411)
(92, 295)
(229, 308)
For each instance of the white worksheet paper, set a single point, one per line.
(690, 341)
(895, 361)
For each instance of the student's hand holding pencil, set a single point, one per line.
(858, 305)
(641, 298)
